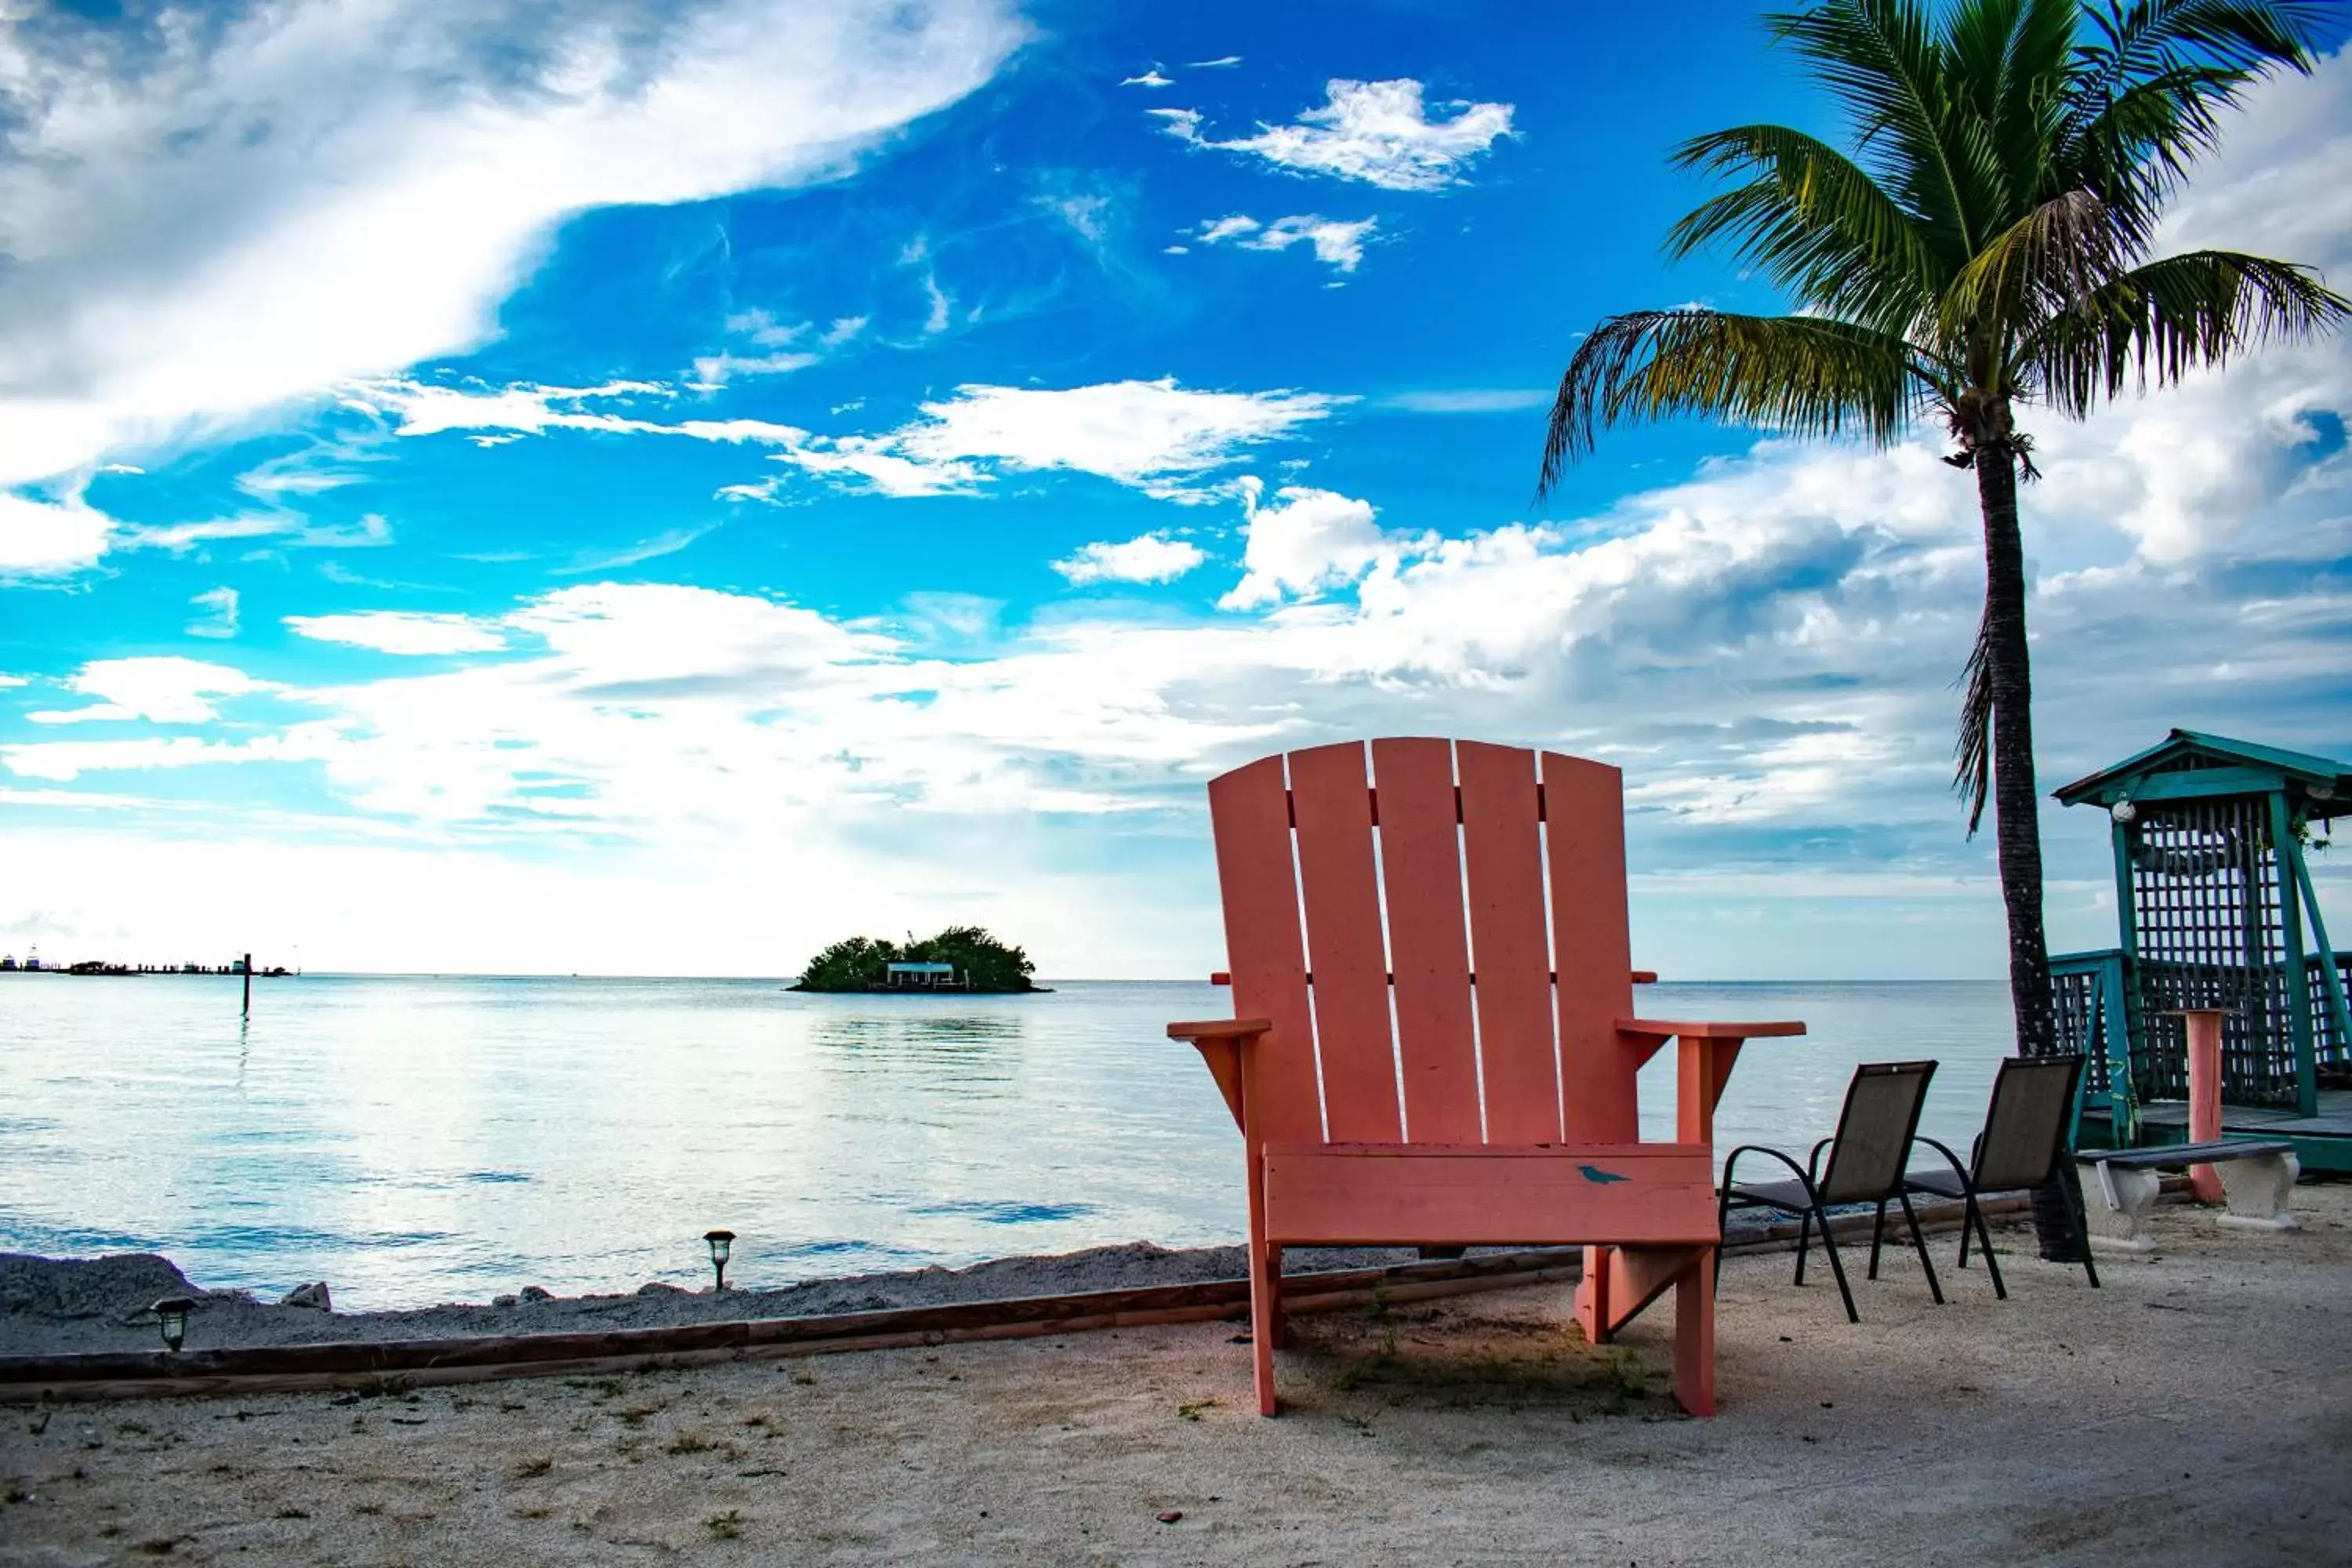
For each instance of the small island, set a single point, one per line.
(961, 959)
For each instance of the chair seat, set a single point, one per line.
(1370, 1194)
(1944, 1183)
(1789, 1196)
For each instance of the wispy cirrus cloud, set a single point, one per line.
(411, 632)
(1378, 132)
(220, 614)
(1338, 244)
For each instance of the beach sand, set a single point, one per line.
(2195, 1411)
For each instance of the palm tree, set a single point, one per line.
(1985, 244)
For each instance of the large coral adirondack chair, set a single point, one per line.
(1406, 946)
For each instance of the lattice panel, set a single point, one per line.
(2076, 998)
(2330, 1049)
(2205, 905)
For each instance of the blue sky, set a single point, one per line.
(614, 487)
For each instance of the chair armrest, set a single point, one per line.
(1708, 1052)
(1794, 1169)
(1239, 1029)
(1667, 1029)
(1813, 1160)
(1966, 1173)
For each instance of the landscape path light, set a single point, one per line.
(721, 1243)
(172, 1317)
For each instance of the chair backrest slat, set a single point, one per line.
(1875, 1132)
(1249, 811)
(2025, 1128)
(1346, 951)
(1592, 959)
(1429, 948)
(1508, 944)
(1440, 941)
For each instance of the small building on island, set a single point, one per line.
(904, 976)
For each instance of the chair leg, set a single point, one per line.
(1877, 1230)
(1837, 1270)
(1804, 1241)
(1694, 1338)
(2081, 1228)
(1722, 1215)
(1974, 1215)
(1919, 1243)
(1966, 1213)
(1265, 1317)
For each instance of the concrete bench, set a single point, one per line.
(2257, 1185)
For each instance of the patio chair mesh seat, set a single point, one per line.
(2022, 1148)
(1867, 1156)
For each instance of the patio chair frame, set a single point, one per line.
(1972, 1190)
(1820, 1187)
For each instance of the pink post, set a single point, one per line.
(2204, 1094)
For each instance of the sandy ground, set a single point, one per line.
(2197, 1411)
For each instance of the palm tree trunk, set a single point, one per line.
(2016, 806)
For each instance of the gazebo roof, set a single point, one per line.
(2188, 762)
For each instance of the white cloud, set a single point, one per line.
(166, 690)
(1308, 541)
(1221, 63)
(1338, 244)
(401, 631)
(1149, 79)
(1375, 131)
(1147, 558)
(219, 619)
(49, 538)
(1152, 434)
(211, 214)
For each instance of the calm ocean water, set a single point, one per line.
(417, 1139)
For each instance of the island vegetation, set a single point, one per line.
(979, 964)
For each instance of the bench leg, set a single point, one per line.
(2116, 1205)
(2259, 1192)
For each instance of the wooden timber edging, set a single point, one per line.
(396, 1365)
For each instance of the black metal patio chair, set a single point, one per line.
(2022, 1147)
(1866, 1159)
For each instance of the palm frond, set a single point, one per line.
(1972, 752)
(2175, 315)
(2012, 60)
(2055, 259)
(1799, 374)
(1881, 60)
(1814, 222)
(2141, 107)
